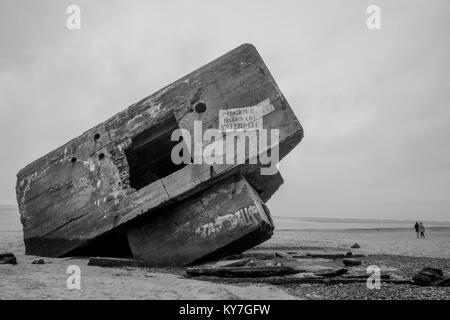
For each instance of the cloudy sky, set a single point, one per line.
(374, 104)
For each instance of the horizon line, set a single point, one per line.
(10, 206)
(379, 219)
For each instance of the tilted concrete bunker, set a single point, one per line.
(115, 191)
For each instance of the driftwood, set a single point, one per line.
(233, 272)
(260, 255)
(288, 280)
(383, 276)
(334, 273)
(228, 263)
(333, 256)
(350, 262)
(283, 255)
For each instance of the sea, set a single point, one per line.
(10, 221)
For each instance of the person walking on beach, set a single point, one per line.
(416, 227)
(422, 230)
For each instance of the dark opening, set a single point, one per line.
(107, 245)
(149, 156)
(97, 136)
(200, 107)
(101, 156)
(73, 160)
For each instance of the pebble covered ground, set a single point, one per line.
(359, 291)
(398, 267)
(407, 267)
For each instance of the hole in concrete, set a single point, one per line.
(73, 160)
(97, 136)
(149, 156)
(200, 107)
(113, 244)
(101, 156)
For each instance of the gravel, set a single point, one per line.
(406, 268)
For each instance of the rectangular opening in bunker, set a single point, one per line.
(149, 156)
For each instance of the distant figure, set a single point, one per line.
(421, 230)
(416, 226)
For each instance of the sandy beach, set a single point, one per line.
(395, 249)
(29, 281)
(372, 241)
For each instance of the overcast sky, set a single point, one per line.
(374, 104)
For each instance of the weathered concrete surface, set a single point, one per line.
(228, 217)
(81, 191)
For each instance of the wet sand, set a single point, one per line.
(391, 241)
